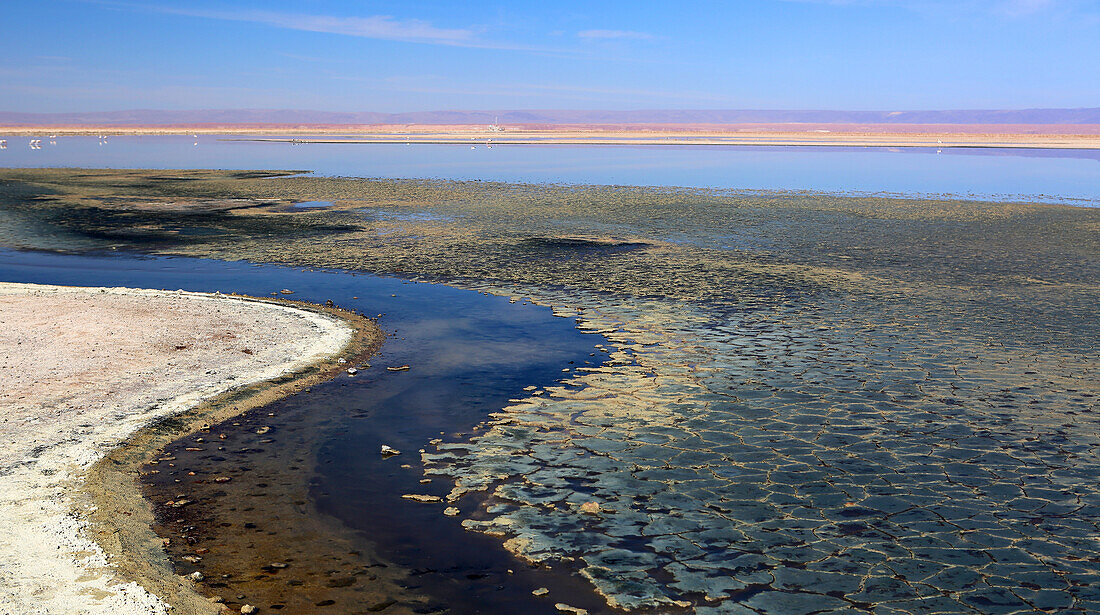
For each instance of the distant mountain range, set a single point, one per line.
(550, 116)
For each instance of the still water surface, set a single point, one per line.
(1065, 176)
(469, 354)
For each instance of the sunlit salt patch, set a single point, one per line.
(312, 204)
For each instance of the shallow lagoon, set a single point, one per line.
(1070, 176)
(878, 405)
(469, 354)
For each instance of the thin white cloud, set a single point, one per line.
(614, 34)
(376, 26)
(1019, 8)
(381, 27)
(1014, 8)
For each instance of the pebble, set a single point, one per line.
(196, 576)
(248, 608)
(542, 591)
(450, 511)
(388, 451)
(399, 368)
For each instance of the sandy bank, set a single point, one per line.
(81, 370)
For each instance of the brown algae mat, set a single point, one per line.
(814, 402)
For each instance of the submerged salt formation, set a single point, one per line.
(743, 465)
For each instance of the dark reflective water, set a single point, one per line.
(1071, 176)
(469, 353)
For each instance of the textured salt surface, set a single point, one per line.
(82, 369)
(777, 462)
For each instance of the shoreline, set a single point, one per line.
(688, 142)
(103, 555)
(1086, 137)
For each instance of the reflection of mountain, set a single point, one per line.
(668, 116)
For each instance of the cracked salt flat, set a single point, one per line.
(746, 466)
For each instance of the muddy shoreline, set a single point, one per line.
(122, 522)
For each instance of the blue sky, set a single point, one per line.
(96, 55)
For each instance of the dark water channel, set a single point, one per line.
(469, 354)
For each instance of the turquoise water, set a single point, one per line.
(1063, 176)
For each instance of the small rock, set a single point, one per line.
(564, 608)
(542, 591)
(420, 497)
(399, 368)
(450, 511)
(222, 479)
(263, 430)
(352, 371)
(286, 291)
(591, 508)
(194, 559)
(341, 360)
(196, 576)
(389, 451)
(248, 608)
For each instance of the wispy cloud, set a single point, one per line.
(375, 26)
(381, 27)
(614, 34)
(1020, 8)
(1011, 8)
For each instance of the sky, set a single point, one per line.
(344, 55)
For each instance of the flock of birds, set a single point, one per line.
(33, 144)
(37, 143)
